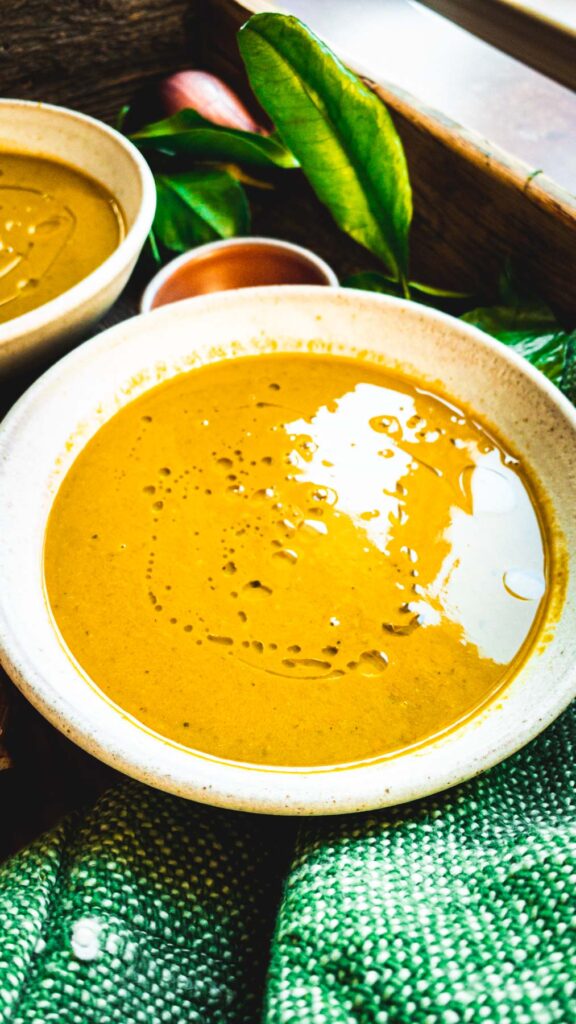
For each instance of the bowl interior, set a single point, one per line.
(56, 418)
(43, 130)
(241, 265)
(91, 147)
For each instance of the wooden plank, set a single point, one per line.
(475, 205)
(533, 37)
(92, 56)
(5, 760)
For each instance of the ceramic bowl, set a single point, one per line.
(92, 147)
(54, 420)
(235, 263)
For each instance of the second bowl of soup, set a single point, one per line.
(76, 204)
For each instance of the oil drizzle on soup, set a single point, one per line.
(296, 560)
(56, 226)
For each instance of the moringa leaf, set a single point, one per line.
(340, 132)
(375, 281)
(189, 134)
(246, 179)
(527, 326)
(437, 293)
(568, 381)
(121, 117)
(533, 331)
(154, 249)
(198, 206)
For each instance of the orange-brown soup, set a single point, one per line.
(296, 560)
(57, 225)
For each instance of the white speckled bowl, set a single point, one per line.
(53, 421)
(90, 146)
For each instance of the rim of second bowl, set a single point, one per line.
(112, 266)
(163, 275)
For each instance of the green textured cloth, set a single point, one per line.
(458, 908)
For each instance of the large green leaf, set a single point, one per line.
(533, 331)
(188, 133)
(338, 129)
(198, 206)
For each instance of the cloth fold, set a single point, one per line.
(147, 908)
(457, 908)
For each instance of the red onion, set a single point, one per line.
(210, 97)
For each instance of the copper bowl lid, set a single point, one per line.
(235, 263)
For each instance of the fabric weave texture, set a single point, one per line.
(457, 908)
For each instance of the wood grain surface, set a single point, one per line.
(529, 35)
(474, 205)
(92, 56)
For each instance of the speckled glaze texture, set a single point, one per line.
(57, 416)
(90, 146)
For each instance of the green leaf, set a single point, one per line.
(437, 293)
(341, 133)
(154, 250)
(374, 281)
(121, 117)
(568, 382)
(188, 133)
(533, 331)
(198, 206)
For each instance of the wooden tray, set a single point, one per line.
(474, 205)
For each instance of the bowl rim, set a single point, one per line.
(227, 790)
(146, 304)
(114, 264)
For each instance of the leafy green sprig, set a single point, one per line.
(199, 169)
(328, 123)
(341, 133)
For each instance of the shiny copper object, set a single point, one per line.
(235, 263)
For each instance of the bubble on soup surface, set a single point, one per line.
(524, 584)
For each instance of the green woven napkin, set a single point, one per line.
(454, 909)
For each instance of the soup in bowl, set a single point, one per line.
(77, 202)
(297, 551)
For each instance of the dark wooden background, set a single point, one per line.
(93, 54)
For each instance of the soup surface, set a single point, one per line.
(295, 560)
(56, 226)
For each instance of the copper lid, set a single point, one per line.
(235, 263)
